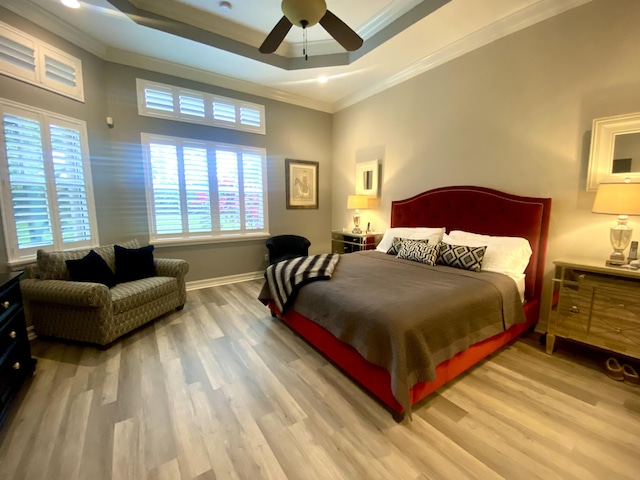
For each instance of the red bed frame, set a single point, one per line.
(474, 209)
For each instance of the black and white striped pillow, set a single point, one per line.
(419, 251)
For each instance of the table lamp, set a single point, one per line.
(620, 199)
(357, 202)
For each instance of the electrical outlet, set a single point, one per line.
(266, 257)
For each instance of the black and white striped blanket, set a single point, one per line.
(287, 277)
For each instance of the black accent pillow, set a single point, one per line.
(134, 263)
(91, 268)
(460, 256)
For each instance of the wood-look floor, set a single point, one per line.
(221, 390)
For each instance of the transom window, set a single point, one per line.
(47, 196)
(38, 63)
(168, 101)
(199, 190)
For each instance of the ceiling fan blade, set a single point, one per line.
(276, 36)
(339, 30)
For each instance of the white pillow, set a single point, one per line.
(509, 255)
(434, 235)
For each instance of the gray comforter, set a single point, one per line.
(408, 317)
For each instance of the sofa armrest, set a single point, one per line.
(65, 292)
(171, 267)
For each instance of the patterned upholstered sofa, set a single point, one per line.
(93, 312)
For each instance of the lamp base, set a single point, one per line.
(357, 230)
(615, 263)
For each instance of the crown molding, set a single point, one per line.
(131, 59)
(501, 28)
(385, 17)
(44, 19)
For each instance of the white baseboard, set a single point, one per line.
(214, 282)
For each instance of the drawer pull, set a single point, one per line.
(581, 277)
(16, 366)
(6, 305)
(13, 334)
(574, 309)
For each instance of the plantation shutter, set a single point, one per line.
(158, 98)
(27, 180)
(71, 191)
(224, 112)
(191, 104)
(59, 71)
(251, 117)
(166, 188)
(253, 188)
(17, 55)
(196, 176)
(228, 190)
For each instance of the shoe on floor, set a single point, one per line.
(613, 369)
(630, 375)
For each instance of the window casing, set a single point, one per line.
(167, 101)
(47, 194)
(38, 63)
(200, 191)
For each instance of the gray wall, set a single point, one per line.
(514, 115)
(116, 162)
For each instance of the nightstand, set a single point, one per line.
(16, 363)
(596, 305)
(344, 242)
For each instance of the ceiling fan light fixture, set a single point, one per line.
(304, 13)
(71, 3)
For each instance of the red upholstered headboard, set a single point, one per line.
(486, 211)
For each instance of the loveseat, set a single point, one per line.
(91, 312)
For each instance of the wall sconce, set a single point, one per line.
(357, 202)
(622, 199)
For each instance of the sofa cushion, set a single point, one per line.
(134, 263)
(52, 265)
(91, 268)
(128, 295)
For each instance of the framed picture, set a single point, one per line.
(302, 183)
(367, 178)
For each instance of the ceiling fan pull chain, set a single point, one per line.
(304, 43)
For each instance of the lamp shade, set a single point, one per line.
(357, 202)
(617, 199)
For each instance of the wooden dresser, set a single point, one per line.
(16, 363)
(596, 305)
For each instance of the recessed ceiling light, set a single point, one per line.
(224, 5)
(323, 79)
(71, 3)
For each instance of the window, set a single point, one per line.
(200, 190)
(47, 196)
(166, 101)
(33, 61)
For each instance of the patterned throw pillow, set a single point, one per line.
(419, 251)
(460, 256)
(397, 243)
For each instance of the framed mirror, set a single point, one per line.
(615, 150)
(367, 178)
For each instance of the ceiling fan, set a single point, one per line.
(306, 13)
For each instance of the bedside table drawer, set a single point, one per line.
(17, 365)
(12, 330)
(596, 305)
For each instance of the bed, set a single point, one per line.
(396, 381)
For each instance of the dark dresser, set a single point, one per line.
(16, 363)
